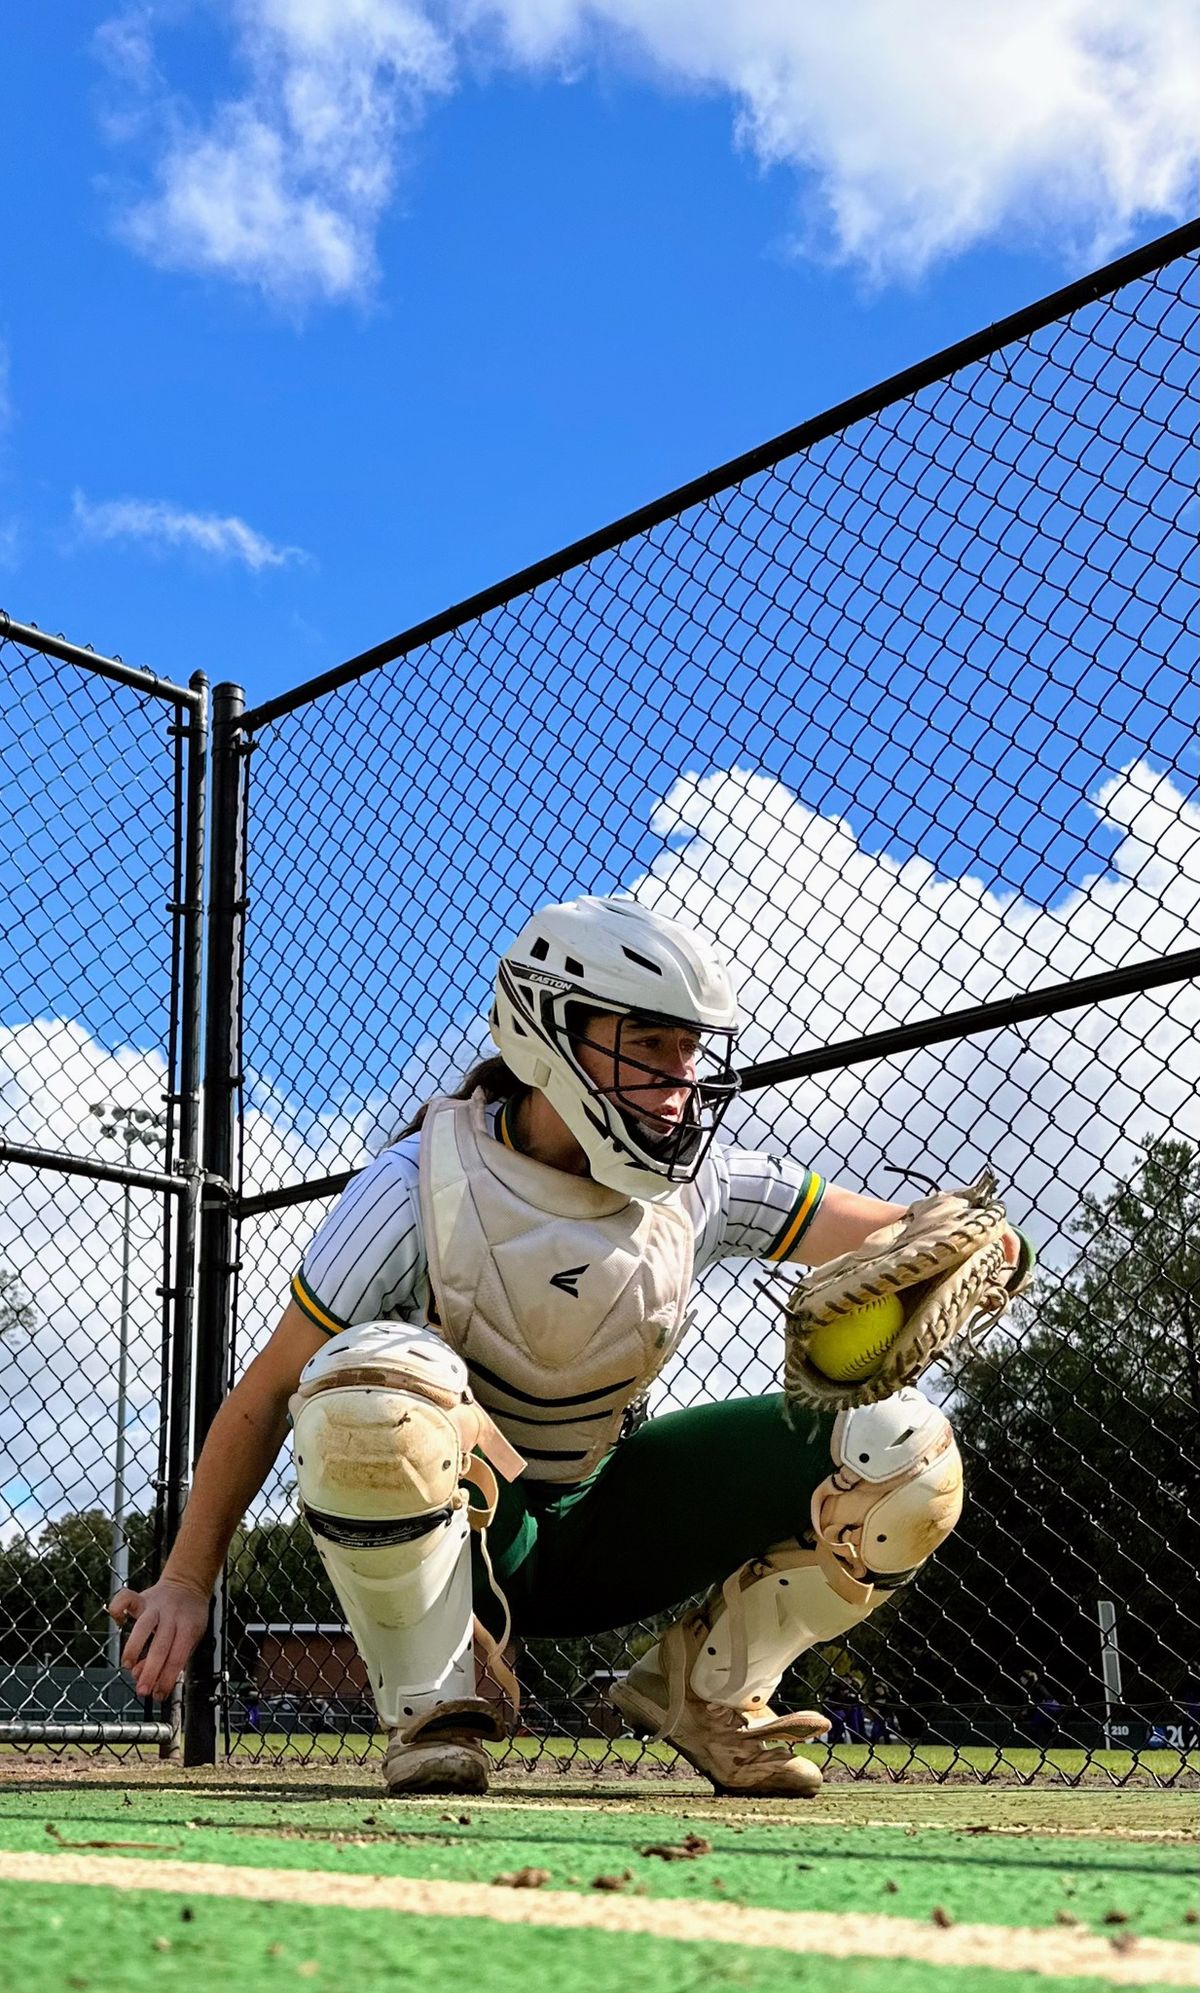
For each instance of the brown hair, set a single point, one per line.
(497, 1080)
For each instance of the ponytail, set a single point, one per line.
(496, 1079)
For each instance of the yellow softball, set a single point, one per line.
(853, 1346)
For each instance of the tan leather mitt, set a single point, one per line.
(945, 1263)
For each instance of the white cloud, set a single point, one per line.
(914, 131)
(283, 185)
(920, 129)
(63, 1238)
(161, 525)
(834, 942)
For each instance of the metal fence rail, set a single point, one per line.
(896, 707)
(101, 866)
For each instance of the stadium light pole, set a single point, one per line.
(129, 1126)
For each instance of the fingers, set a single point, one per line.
(157, 1650)
(181, 1648)
(140, 1636)
(149, 1662)
(125, 1604)
(148, 1653)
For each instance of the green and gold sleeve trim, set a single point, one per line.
(307, 1302)
(799, 1218)
(504, 1124)
(506, 1121)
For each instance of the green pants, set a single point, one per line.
(675, 1508)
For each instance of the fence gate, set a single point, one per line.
(101, 866)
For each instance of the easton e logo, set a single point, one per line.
(567, 1280)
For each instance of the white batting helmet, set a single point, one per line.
(612, 955)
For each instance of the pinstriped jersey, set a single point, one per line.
(367, 1260)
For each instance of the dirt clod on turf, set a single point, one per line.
(687, 1850)
(522, 1878)
(613, 1882)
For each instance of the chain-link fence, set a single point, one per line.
(900, 709)
(101, 863)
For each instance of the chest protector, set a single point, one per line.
(563, 1298)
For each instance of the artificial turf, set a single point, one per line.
(788, 1858)
(57, 1937)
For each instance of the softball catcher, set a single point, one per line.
(477, 1322)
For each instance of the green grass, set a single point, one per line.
(870, 1761)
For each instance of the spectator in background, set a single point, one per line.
(883, 1727)
(1040, 1712)
(847, 1716)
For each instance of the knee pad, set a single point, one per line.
(895, 1492)
(384, 1425)
(382, 1432)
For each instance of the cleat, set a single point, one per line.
(443, 1751)
(741, 1750)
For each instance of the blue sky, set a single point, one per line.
(583, 289)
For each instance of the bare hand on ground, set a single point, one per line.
(169, 1619)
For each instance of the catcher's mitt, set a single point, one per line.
(944, 1262)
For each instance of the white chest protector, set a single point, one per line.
(563, 1298)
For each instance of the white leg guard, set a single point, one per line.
(895, 1493)
(384, 1423)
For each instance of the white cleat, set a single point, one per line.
(443, 1751)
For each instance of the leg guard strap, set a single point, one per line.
(377, 1535)
(894, 1494)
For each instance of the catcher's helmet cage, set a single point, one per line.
(612, 955)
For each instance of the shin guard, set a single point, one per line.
(384, 1428)
(894, 1495)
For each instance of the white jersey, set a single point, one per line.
(367, 1261)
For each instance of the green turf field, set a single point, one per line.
(1106, 1880)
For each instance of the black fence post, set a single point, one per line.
(222, 1079)
(190, 911)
